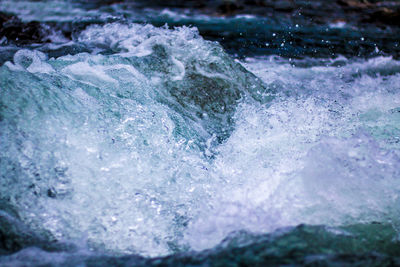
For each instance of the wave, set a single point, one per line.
(102, 144)
(167, 144)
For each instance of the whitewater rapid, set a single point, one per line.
(167, 143)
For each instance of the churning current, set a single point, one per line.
(130, 139)
(169, 143)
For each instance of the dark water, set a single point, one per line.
(213, 140)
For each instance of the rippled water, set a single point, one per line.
(132, 139)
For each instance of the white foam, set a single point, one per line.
(122, 169)
(338, 25)
(313, 157)
(85, 71)
(32, 61)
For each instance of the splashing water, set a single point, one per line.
(317, 155)
(167, 143)
(115, 148)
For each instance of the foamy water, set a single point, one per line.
(169, 144)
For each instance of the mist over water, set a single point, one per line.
(131, 139)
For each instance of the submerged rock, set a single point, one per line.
(375, 12)
(16, 31)
(354, 11)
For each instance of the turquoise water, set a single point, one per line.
(152, 141)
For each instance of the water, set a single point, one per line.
(131, 142)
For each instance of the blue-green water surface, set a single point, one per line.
(136, 144)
